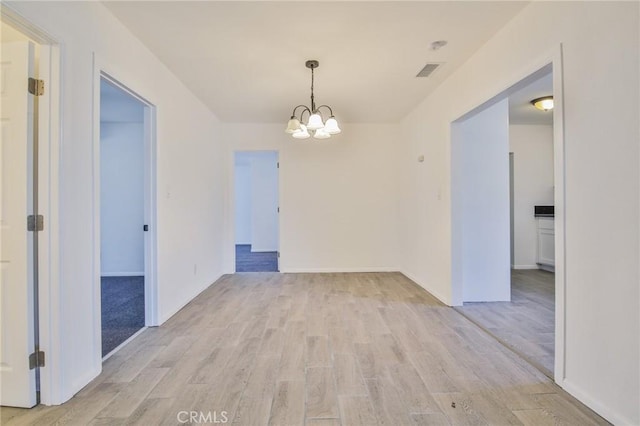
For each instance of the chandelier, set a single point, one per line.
(315, 125)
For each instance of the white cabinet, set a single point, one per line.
(546, 243)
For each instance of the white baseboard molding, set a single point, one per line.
(122, 274)
(440, 297)
(591, 402)
(524, 266)
(548, 268)
(337, 270)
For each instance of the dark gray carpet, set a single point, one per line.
(246, 261)
(122, 310)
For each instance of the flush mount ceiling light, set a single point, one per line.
(544, 103)
(315, 125)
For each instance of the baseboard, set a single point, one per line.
(122, 274)
(337, 270)
(548, 268)
(607, 413)
(524, 266)
(442, 299)
(263, 250)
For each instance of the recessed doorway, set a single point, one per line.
(123, 212)
(256, 211)
(524, 318)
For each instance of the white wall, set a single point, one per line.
(256, 199)
(532, 147)
(190, 183)
(264, 201)
(337, 196)
(601, 63)
(242, 182)
(121, 198)
(480, 206)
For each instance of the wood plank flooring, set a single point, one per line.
(527, 323)
(315, 349)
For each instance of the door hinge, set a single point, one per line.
(36, 87)
(278, 165)
(36, 359)
(35, 222)
(278, 209)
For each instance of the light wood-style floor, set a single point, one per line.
(316, 349)
(527, 323)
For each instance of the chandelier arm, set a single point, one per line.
(306, 109)
(328, 107)
(293, 114)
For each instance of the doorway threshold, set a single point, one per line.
(123, 344)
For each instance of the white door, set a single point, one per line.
(18, 382)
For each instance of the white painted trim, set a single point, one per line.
(603, 410)
(96, 308)
(551, 58)
(230, 261)
(123, 274)
(559, 170)
(440, 297)
(101, 70)
(263, 250)
(49, 135)
(524, 267)
(23, 25)
(339, 270)
(229, 231)
(151, 216)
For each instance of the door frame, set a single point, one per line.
(231, 231)
(49, 136)
(552, 59)
(103, 71)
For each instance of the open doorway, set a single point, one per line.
(525, 161)
(256, 211)
(122, 215)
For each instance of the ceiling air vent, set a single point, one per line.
(428, 69)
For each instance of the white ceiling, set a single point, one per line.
(520, 109)
(245, 60)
